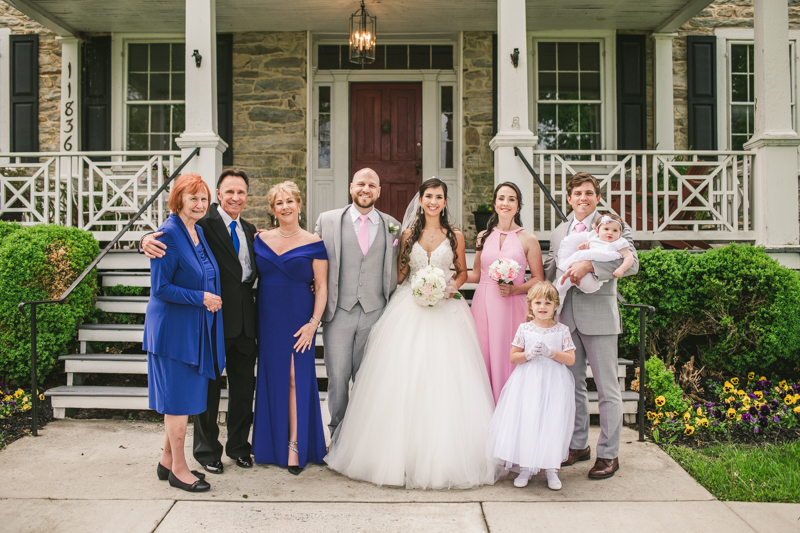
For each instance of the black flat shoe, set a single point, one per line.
(198, 486)
(244, 461)
(294, 470)
(215, 467)
(163, 473)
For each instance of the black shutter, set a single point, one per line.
(702, 94)
(96, 95)
(24, 93)
(225, 94)
(631, 93)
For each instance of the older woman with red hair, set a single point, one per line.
(183, 333)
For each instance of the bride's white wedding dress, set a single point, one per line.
(420, 408)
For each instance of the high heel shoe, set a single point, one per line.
(198, 486)
(294, 469)
(163, 473)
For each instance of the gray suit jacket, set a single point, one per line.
(596, 313)
(329, 229)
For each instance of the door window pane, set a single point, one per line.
(324, 156)
(447, 127)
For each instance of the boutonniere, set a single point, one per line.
(393, 229)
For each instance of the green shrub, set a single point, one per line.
(39, 263)
(732, 308)
(661, 382)
(7, 228)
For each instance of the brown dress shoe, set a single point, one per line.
(604, 468)
(578, 455)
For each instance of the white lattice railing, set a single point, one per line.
(665, 196)
(94, 191)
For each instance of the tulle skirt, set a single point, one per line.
(533, 422)
(420, 408)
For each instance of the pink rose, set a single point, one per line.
(395, 242)
(495, 275)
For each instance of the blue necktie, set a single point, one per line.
(235, 237)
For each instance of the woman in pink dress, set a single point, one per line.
(499, 309)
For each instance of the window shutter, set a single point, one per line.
(96, 94)
(631, 93)
(225, 94)
(24, 93)
(702, 92)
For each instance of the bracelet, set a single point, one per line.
(319, 322)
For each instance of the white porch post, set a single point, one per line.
(69, 140)
(664, 105)
(775, 209)
(201, 93)
(512, 104)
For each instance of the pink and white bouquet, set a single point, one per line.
(428, 285)
(504, 271)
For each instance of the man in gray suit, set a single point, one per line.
(595, 323)
(362, 273)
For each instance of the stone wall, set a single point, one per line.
(269, 113)
(49, 74)
(478, 162)
(720, 14)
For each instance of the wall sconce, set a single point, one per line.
(197, 58)
(515, 58)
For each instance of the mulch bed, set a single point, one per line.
(19, 426)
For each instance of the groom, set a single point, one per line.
(362, 273)
(594, 321)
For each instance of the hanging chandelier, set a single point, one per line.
(362, 36)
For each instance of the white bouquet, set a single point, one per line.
(504, 271)
(428, 285)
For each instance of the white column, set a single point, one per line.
(430, 127)
(340, 139)
(512, 104)
(664, 105)
(5, 102)
(70, 132)
(775, 207)
(201, 93)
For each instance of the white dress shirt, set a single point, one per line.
(586, 222)
(244, 251)
(373, 222)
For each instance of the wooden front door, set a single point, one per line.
(386, 136)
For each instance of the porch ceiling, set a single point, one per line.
(331, 16)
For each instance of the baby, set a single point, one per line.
(604, 243)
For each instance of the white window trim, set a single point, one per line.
(726, 36)
(608, 77)
(119, 77)
(5, 89)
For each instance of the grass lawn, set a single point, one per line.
(737, 472)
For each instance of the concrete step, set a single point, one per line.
(123, 304)
(124, 333)
(124, 260)
(113, 278)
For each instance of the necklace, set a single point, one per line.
(432, 234)
(287, 236)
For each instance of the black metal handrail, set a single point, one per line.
(78, 280)
(646, 312)
(544, 189)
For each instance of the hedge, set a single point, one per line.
(734, 309)
(39, 263)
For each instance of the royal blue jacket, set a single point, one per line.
(176, 318)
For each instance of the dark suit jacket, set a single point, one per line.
(238, 303)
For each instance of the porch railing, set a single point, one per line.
(675, 195)
(95, 191)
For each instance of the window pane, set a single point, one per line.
(442, 57)
(179, 86)
(568, 118)
(567, 85)
(590, 118)
(567, 56)
(447, 127)
(159, 87)
(324, 154)
(178, 57)
(324, 127)
(160, 142)
(739, 116)
(159, 57)
(590, 142)
(547, 118)
(547, 142)
(178, 118)
(739, 57)
(397, 57)
(447, 155)
(568, 142)
(137, 58)
(328, 57)
(447, 99)
(380, 59)
(419, 57)
(590, 56)
(752, 87)
(137, 142)
(737, 141)
(547, 56)
(324, 99)
(137, 86)
(159, 118)
(138, 118)
(739, 88)
(547, 86)
(590, 86)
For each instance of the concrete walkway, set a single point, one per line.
(99, 475)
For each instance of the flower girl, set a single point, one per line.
(532, 425)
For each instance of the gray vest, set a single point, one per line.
(361, 276)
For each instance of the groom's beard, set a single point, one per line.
(364, 203)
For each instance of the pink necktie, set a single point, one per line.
(579, 227)
(363, 234)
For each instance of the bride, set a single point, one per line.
(419, 411)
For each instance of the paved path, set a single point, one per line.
(99, 475)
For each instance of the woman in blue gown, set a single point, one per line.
(287, 422)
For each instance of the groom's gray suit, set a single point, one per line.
(359, 286)
(594, 321)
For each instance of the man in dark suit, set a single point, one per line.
(231, 241)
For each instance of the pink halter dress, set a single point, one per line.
(498, 318)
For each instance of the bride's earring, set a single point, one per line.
(421, 211)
